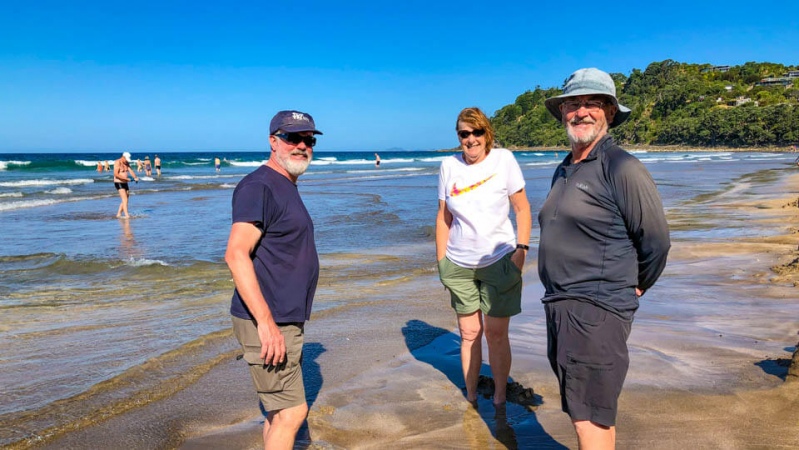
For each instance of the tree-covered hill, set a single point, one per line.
(752, 105)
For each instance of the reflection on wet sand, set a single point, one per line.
(128, 249)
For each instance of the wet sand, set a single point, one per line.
(707, 365)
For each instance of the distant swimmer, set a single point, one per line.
(106, 167)
(217, 164)
(121, 170)
(138, 165)
(99, 166)
(377, 160)
(157, 163)
(148, 167)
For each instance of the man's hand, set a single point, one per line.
(273, 344)
(518, 257)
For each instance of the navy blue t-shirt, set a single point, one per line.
(285, 259)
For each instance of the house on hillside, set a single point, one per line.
(792, 74)
(717, 69)
(740, 100)
(774, 81)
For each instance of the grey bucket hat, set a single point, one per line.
(589, 82)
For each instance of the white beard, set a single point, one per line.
(584, 139)
(295, 168)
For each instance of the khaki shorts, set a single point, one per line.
(279, 387)
(495, 290)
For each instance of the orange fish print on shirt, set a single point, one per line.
(456, 192)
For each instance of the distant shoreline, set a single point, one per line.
(649, 148)
(665, 148)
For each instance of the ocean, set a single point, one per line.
(102, 315)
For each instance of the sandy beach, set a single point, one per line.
(709, 353)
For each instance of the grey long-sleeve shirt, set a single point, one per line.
(603, 231)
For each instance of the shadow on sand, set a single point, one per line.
(515, 425)
(777, 367)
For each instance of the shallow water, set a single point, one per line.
(108, 313)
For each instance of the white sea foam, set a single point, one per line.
(4, 164)
(202, 177)
(358, 162)
(388, 171)
(227, 186)
(247, 163)
(60, 191)
(145, 262)
(82, 162)
(10, 206)
(23, 204)
(434, 159)
(11, 194)
(44, 182)
(542, 163)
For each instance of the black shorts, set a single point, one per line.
(119, 186)
(587, 349)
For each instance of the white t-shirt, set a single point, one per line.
(477, 196)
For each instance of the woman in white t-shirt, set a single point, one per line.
(480, 257)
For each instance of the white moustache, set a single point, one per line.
(299, 153)
(582, 121)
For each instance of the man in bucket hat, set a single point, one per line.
(272, 255)
(604, 242)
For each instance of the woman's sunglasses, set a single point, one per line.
(296, 138)
(477, 133)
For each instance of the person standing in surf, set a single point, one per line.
(157, 163)
(604, 242)
(272, 256)
(121, 170)
(480, 258)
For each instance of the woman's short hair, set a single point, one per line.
(475, 118)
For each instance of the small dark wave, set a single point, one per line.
(58, 264)
(28, 262)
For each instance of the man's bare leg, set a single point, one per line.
(280, 427)
(123, 204)
(592, 436)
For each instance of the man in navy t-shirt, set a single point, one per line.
(272, 255)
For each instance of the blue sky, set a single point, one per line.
(200, 75)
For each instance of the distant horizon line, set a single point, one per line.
(133, 151)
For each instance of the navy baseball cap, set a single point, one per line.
(292, 122)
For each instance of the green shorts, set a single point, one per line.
(495, 290)
(279, 387)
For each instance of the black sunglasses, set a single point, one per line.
(477, 133)
(296, 138)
